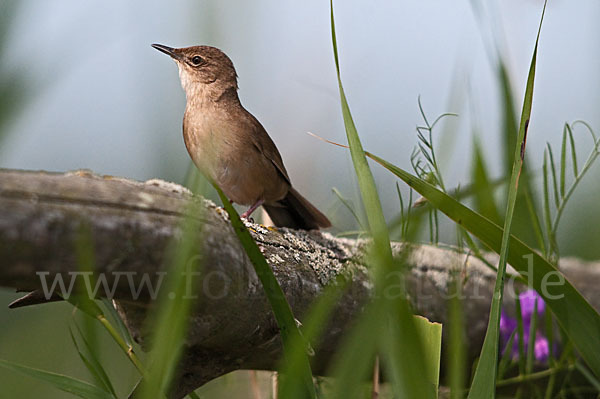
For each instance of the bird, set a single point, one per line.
(229, 145)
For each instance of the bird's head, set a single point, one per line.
(202, 67)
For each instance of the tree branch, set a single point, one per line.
(132, 225)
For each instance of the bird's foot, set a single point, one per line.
(246, 215)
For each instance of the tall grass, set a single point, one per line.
(484, 381)
(386, 339)
(13, 88)
(387, 326)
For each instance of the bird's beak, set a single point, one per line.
(167, 50)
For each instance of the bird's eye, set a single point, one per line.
(197, 60)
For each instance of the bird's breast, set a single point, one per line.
(223, 152)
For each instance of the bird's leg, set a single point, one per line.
(247, 214)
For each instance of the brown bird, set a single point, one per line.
(230, 146)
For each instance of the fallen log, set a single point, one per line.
(132, 224)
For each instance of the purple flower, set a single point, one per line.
(528, 299)
(508, 325)
(541, 350)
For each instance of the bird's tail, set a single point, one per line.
(296, 212)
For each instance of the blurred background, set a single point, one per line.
(80, 87)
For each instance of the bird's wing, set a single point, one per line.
(264, 144)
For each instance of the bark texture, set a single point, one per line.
(132, 225)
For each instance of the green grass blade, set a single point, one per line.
(483, 192)
(403, 218)
(509, 121)
(405, 214)
(15, 82)
(484, 381)
(64, 383)
(315, 322)
(196, 182)
(171, 315)
(354, 360)
(377, 224)
(535, 221)
(563, 163)
(86, 305)
(507, 354)
(510, 131)
(589, 376)
(554, 181)
(520, 336)
(510, 127)
(431, 335)
(281, 308)
(380, 254)
(573, 149)
(550, 386)
(456, 364)
(398, 353)
(110, 310)
(407, 222)
(575, 315)
(531, 344)
(546, 204)
(346, 202)
(595, 152)
(84, 249)
(549, 332)
(193, 395)
(87, 354)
